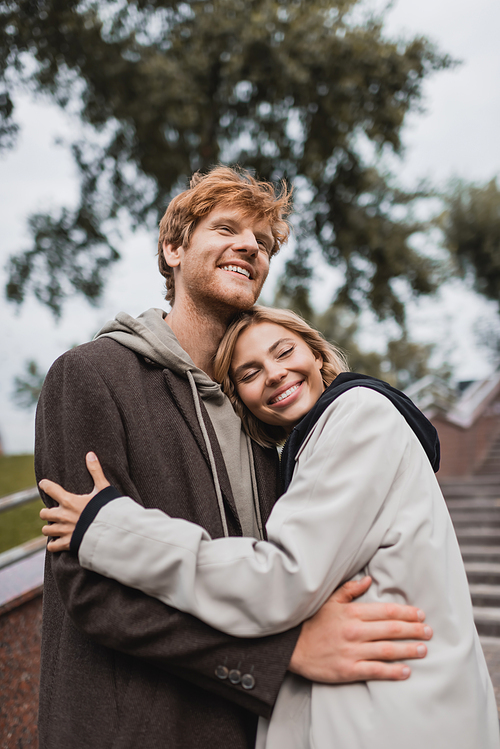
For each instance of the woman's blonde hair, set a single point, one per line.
(334, 362)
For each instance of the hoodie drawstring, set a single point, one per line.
(220, 500)
(255, 490)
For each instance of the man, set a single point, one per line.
(120, 669)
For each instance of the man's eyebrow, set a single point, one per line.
(221, 218)
(272, 348)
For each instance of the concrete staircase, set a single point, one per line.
(474, 505)
(491, 466)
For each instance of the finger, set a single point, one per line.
(95, 469)
(392, 651)
(376, 671)
(58, 514)
(59, 544)
(52, 489)
(55, 530)
(389, 630)
(384, 611)
(52, 514)
(351, 590)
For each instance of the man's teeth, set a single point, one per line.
(236, 269)
(286, 393)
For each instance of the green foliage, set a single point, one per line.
(68, 251)
(471, 227)
(290, 88)
(403, 362)
(21, 523)
(27, 388)
(16, 472)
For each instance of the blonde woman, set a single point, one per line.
(361, 499)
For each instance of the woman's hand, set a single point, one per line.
(64, 518)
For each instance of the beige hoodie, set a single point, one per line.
(150, 336)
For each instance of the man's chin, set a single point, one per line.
(237, 300)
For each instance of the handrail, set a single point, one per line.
(17, 553)
(18, 499)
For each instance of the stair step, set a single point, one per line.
(476, 535)
(460, 480)
(466, 505)
(490, 518)
(493, 493)
(487, 620)
(486, 573)
(489, 486)
(484, 595)
(480, 553)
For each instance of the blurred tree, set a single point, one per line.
(488, 337)
(471, 227)
(401, 364)
(298, 89)
(28, 386)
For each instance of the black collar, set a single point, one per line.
(422, 427)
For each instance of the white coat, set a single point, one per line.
(363, 500)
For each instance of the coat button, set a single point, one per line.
(247, 681)
(221, 672)
(235, 676)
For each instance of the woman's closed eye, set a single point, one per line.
(248, 376)
(286, 352)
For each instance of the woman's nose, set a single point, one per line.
(275, 374)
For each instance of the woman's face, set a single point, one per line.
(276, 374)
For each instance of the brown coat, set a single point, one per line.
(121, 670)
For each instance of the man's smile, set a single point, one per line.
(236, 269)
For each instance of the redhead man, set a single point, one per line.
(120, 669)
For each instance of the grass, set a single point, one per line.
(16, 472)
(21, 523)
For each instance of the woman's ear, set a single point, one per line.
(172, 254)
(319, 361)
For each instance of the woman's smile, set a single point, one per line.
(276, 374)
(283, 396)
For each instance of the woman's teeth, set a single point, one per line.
(288, 392)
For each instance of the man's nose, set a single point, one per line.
(247, 243)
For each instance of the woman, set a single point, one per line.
(362, 498)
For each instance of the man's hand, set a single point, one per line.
(65, 516)
(346, 641)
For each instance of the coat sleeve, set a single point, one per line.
(77, 413)
(323, 530)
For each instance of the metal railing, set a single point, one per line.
(30, 547)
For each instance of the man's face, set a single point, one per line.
(226, 263)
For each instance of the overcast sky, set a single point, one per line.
(457, 135)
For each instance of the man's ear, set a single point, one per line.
(172, 254)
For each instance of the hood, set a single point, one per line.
(422, 427)
(150, 336)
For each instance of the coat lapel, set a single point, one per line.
(183, 398)
(266, 463)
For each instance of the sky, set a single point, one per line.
(455, 136)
